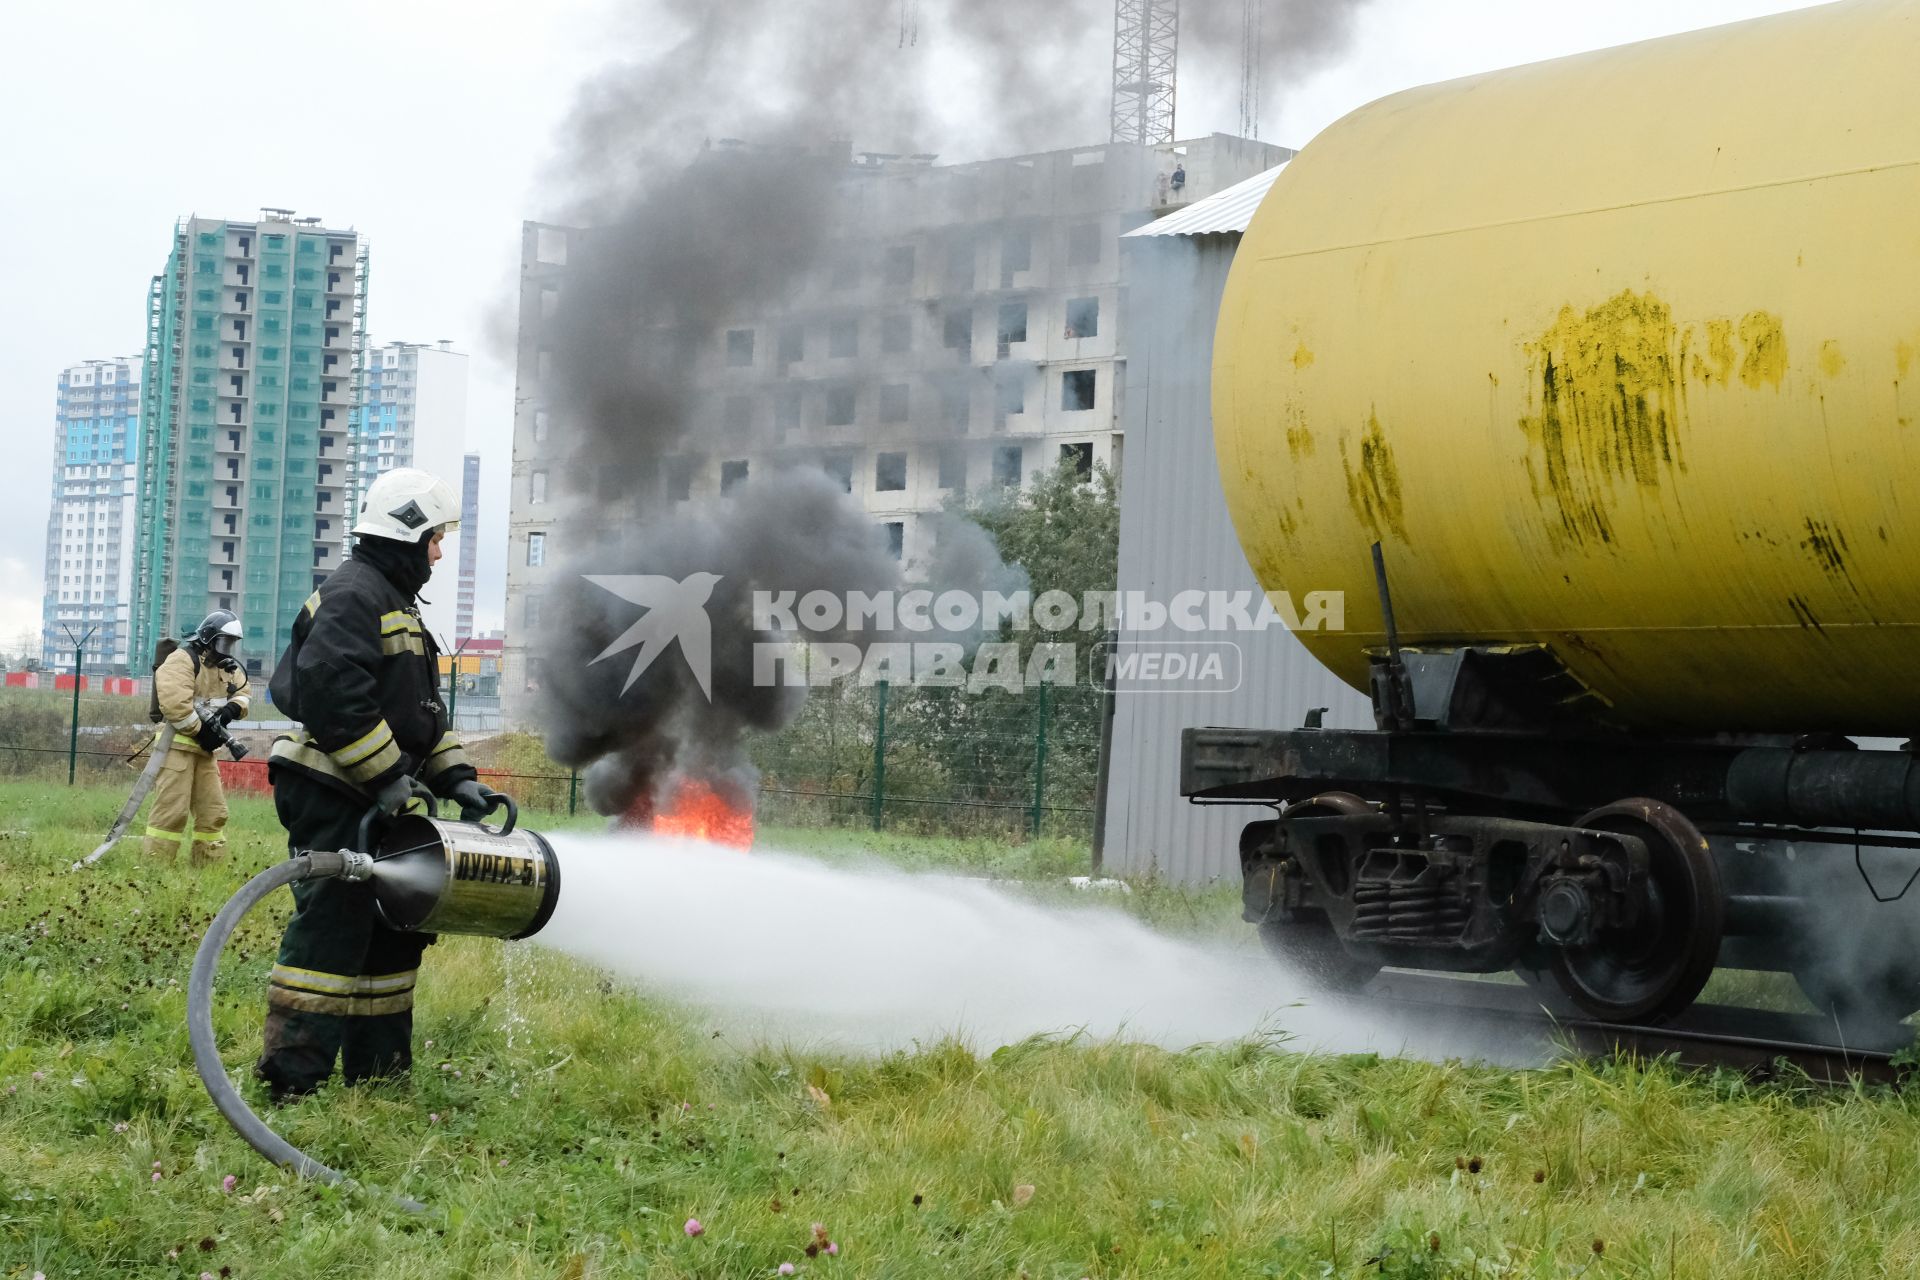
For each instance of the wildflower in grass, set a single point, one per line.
(121, 1127)
(433, 1117)
(228, 1183)
(39, 1076)
(156, 1175)
(786, 1268)
(1473, 1165)
(833, 1249)
(1599, 1245)
(1022, 1194)
(693, 1227)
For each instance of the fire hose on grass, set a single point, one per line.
(429, 875)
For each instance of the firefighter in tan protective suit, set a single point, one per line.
(198, 685)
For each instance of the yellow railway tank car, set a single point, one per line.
(1592, 384)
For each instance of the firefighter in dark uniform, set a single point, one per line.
(362, 676)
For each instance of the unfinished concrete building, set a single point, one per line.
(969, 336)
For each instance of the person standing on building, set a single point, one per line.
(361, 674)
(197, 685)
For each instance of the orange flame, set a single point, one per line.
(696, 811)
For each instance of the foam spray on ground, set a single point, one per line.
(792, 950)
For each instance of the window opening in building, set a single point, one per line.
(896, 538)
(740, 348)
(786, 409)
(732, 474)
(840, 467)
(536, 548)
(1016, 253)
(843, 339)
(537, 487)
(1010, 394)
(679, 479)
(842, 402)
(890, 472)
(957, 331)
(793, 346)
(1077, 389)
(953, 467)
(1078, 455)
(1013, 326)
(896, 334)
(895, 402)
(1006, 465)
(1083, 317)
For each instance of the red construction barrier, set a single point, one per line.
(65, 683)
(122, 685)
(249, 775)
(20, 680)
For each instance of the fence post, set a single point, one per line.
(73, 730)
(573, 791)
(879, 750)
(1039, 763)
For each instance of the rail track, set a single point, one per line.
(1756, 1042)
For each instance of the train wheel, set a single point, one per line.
(1653, 969)
(1307, 943)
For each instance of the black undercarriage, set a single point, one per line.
(1490, 824)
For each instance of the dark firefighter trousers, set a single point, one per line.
(344, 982)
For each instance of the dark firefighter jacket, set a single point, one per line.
(361, 675)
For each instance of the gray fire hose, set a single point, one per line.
(450, 877)
(206, 1054)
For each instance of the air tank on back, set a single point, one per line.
(1613, 353)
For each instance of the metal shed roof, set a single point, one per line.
(1223, 212)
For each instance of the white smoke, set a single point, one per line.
(796, 951)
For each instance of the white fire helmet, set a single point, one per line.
(407, 505)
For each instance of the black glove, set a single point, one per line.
(228, 712)
(393, 797)
(208, 736)
(474, 800)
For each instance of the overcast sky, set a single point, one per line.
(430, 126)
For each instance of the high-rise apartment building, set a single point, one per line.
(415, 415)
(255, 347)
(469, 547)
(964, 333)
(90, 525)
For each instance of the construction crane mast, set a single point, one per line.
(1146, 47)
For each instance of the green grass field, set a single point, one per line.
(563, 1127)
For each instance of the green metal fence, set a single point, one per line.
(923, 760)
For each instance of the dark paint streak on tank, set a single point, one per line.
(1828, 545)
(1373, 488)
(1611, 408)
(1803, 612)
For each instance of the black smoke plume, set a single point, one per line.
(690, 233)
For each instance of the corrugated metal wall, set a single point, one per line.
(1175, 536)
